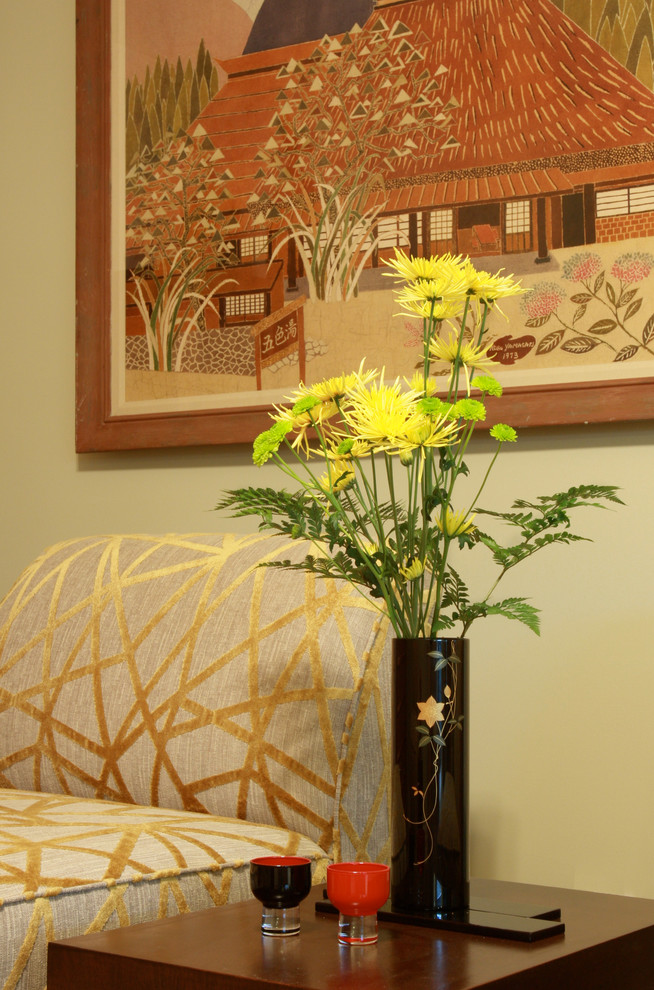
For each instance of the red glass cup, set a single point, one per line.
(280, 883)
(357, 891)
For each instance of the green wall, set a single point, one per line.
(562, 728)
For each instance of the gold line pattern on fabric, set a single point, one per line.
(42, 837)
(170, 676)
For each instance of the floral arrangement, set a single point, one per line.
(377, 467)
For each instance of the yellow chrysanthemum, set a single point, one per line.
(387, 418)
(308, 396)
(347, 450)
(337, 387)
(413, 571)
(412, 269)
(316, 404)
(455, 523)
(452, 288)
(489, 287)
(452, 277)
(302, 419)
(376, 411)
(423, 431)
(416, 304)
(418, 384)
(470, 357)
(339, 476)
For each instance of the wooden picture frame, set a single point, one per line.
(98, 429)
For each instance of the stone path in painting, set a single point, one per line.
(229, 351)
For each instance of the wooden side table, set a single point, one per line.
(608, 945)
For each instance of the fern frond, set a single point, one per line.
(517, 608)
(508, 557)
(294, 514)
(510, 608)
(585, 495)
(256, 501)
(338, 566)
(444, 622)
(455, 591)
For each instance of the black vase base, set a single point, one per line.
(492, 918)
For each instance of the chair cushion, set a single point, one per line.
(71, 865)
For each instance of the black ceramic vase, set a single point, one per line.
(429, 830)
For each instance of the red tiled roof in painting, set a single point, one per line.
(533, 104)
(532, 85)
(529, 83)
(511, 185)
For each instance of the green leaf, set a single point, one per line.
(517, 608)
(508, 557)
(455, 592)
(255, 501)
(444, 622)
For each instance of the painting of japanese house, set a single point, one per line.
(273, 154)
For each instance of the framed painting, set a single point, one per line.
(245, 168)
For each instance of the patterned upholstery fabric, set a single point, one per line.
(73, 864)
(147, 681)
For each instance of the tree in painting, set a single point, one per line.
(348, 117)
(161, 108)
(625, 30)
(177, 233)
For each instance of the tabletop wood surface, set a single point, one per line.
(608, 944)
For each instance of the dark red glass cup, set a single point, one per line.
(357, 891)
(280, 883)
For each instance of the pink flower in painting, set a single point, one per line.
(581, 267)
(632, 267)
(414, 334)
(542, 301)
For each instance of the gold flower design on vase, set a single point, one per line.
(436, 720)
